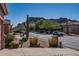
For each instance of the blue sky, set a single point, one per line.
(17, 11)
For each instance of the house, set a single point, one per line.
(71, 27)
(7, 26)
(3, 12)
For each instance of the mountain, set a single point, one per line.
(20, 26)
(62, 20)
(34, 19)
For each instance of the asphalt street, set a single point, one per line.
(67, 41)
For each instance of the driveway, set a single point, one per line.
(67, 41)
(70, 41)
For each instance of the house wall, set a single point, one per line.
(7, 28)
(74, 28)
(0, 33)
(3, 12)
(2, 42)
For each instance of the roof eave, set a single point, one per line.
(4, 9)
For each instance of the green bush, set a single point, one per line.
(8, 39)
(47, 25)
(24, 39)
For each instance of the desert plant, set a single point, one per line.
(24, 39)
(33, 41)
(8, 39)
(14, 44)
(26, 25)
(53, 41)
(60, 45)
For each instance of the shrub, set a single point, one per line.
(8, 39)
(14, 44)
(33, 41)
(46, 25)
(53, 41)
(24, 39)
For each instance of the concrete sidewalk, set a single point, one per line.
(39, 52)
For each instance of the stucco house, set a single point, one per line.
(71, 27)
(3, 12)
(7, 26)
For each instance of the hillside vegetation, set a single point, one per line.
(42, 24)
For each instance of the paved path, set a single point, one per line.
(69, 41)
(39, 52)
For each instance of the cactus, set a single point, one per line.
(26, 25)
(53, 41)
(33, 42)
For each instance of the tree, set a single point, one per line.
(38, 23)
(47, 25)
